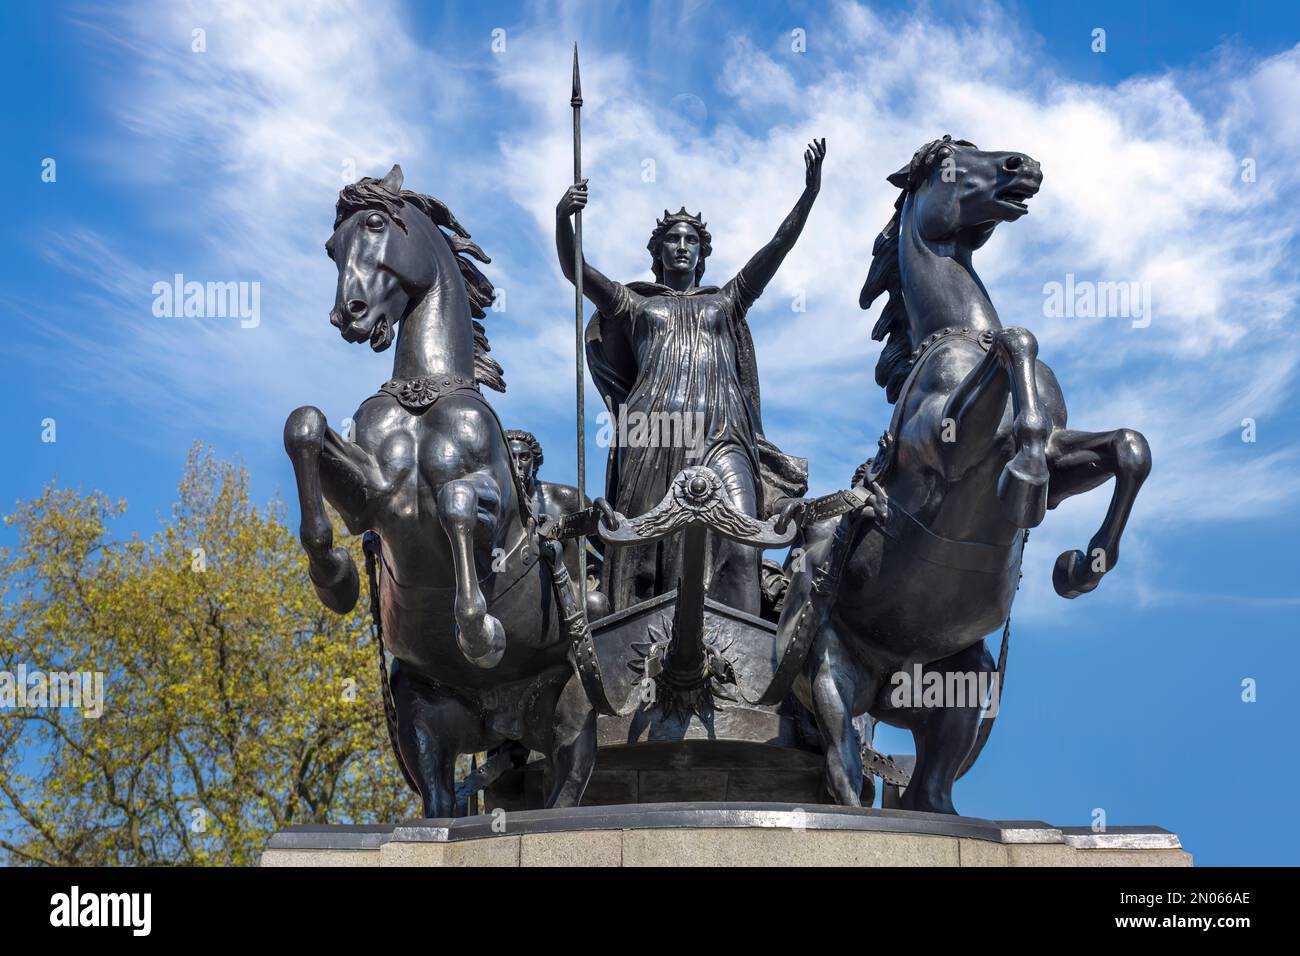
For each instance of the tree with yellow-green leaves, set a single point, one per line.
(234, 704)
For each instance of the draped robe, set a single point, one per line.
(691, 354)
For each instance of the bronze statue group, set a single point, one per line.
(475, 578)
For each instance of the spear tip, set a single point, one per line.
(576, 98)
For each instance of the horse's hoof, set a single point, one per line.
(1072, 575)
(914, 799)
(1022, 489)
(488, 646)
(339, 588)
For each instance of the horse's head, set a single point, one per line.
(960, 193)
(383, 259)
(952, 196)
(390, 247)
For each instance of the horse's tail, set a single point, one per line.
(986, 725)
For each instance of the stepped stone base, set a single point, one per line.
(722, 834)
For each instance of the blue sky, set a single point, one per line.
(223, 165)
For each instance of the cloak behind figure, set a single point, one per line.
(612, 360)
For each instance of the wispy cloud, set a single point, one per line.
(1143, 183)
(246, 142)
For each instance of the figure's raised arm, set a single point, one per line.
(758, 272)
(603, 292)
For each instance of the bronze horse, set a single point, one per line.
(926, 562)
(478, 610)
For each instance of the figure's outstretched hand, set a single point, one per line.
(812, 159)
(573, 200)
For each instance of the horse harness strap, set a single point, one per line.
(904, 528)
(851, 507)
(370, 544)
(986, 720)
(835, 504)
(884, 767)
(418, 395)
(571, 602)
(573, 619)
(576, 524)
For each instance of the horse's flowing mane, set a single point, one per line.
(370, 193)
(895, 360)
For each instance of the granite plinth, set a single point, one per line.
(723, 834)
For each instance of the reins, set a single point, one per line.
(370, 544)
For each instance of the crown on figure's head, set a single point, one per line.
(669, 220)
(681, 215)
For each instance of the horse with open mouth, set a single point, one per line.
(923, 559)
(489, 634)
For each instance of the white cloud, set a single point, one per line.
(1141, 183)
(244, 146)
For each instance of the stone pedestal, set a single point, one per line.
(722, 834)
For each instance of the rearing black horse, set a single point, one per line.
(490, 640)
(977, 451)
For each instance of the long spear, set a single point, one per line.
(576, 102)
